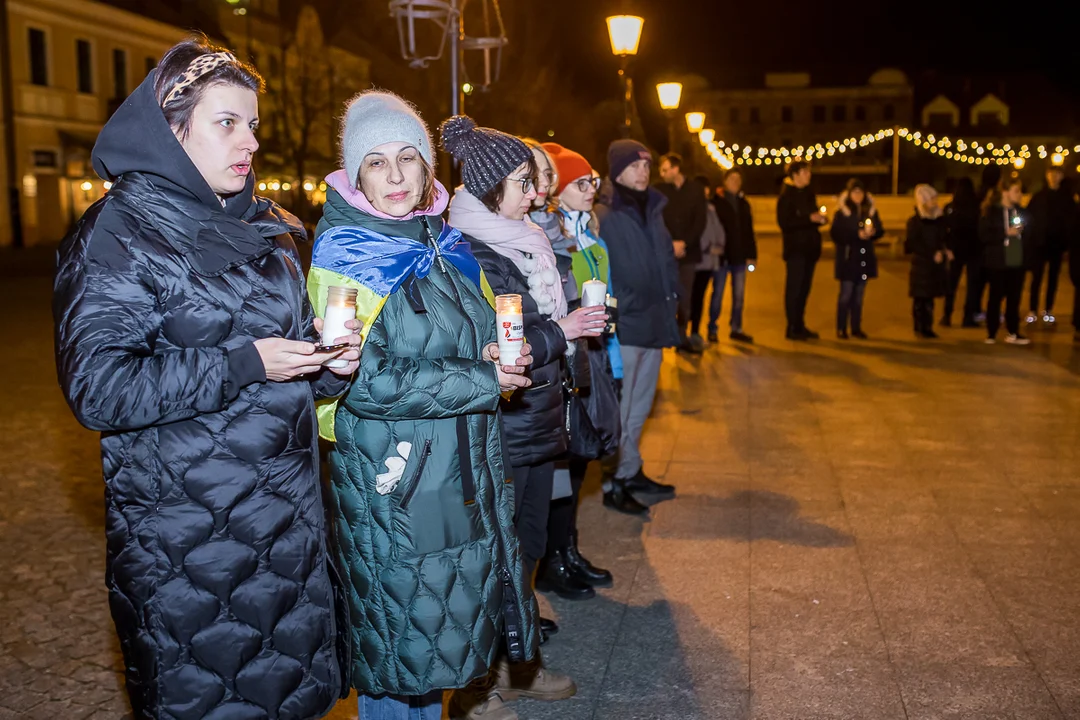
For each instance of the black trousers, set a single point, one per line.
(697, 298)
(1007, 284)
(975, 285)
(1054, 258)
(922, 315)
(800, 276)
(562, 523)
(686, 287)
(532, 501)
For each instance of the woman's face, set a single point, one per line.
(857, 196)
(221, 137)
(545, 179)
(392, 178)
(1014, 194)
(574, 197)
(519, 192)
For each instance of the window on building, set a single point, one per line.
(860, 112)
(151, 63)
(120, 84)
(889, 112)
(755, 115)
(819, 113)
(839, 113)
(84, 55)
(39, 60)
(733, 116)
(787, 114)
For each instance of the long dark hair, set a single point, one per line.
(993, 197)
(170, 72)
(864, 206)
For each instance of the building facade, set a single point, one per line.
(72, 63)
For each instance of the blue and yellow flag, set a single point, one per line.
(377, 265)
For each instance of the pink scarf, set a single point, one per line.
(520, 241)
(339, 180)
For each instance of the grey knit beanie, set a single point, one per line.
(375, 117)
(487, 156)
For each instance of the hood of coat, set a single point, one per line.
(609, 196)
(138, 139)
(934, 214)
(846, 209)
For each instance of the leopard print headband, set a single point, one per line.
(198, 67)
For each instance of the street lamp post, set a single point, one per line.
(624, 32)
(670, 94)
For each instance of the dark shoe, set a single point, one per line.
(842, 334)
(741, 337)
(969, 323)
(585, 570)
(557, 577)
(859, 334)
(713, 338)
(618, 498)
(928, 335)
(810, 334)
(642, 483)
(797, 335)
(689, 347)
(549, 626)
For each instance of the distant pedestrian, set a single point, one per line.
(855, 227)
(1003, 229)
(712, 250)
(1052, 212)
(800, 220)
(740, 255)
(926, 243)
(685, 217)
(962, 221)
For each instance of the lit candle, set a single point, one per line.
(510, 328)
(340, 308)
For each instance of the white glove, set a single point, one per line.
(395, 466)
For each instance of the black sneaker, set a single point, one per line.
(742, 337)
(842, 334)
(714, 338)
(620, 500)
(798, 335)
(689, 347)
(810, 334)
(642, 483)
(859, 334)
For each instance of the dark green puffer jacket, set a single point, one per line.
(422, 564)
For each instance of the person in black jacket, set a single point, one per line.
(1052, 211)
(645, 278)
(925, 241)
(800, 219)
(855, 227)
(490, 209)
(962, 221)
(184, 335)
(740, 253)
(685, 216)
(1006, 253)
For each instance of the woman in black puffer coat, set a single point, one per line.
(501, 176)
(926, 242)
(855, 227)
(184, 335)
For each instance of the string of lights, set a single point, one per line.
(960, 150)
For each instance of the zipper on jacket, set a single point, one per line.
(415, 480)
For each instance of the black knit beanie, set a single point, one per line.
(487, 156)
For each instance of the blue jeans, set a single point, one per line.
(401, 707)
(738, 295)
(850, 303)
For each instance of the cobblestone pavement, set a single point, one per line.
(885, 529)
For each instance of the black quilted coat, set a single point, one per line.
(217, 555)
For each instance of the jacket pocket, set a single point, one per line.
(431, 507)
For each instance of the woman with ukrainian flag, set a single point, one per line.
(421, 504)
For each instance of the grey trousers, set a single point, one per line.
(641, 371)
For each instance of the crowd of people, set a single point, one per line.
(990, 236)
(246, 583)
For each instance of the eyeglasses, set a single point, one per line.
(584, 184)
(527, 184)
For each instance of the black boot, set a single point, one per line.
(642, 483)
(583, 569)
(547, 629)
(619, 498)
(558, 577)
